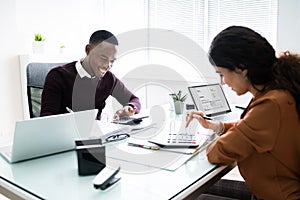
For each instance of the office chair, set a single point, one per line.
(36, 74)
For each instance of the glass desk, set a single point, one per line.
(56, 177)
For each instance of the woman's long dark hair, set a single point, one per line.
(243, 48)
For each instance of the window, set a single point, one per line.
(201, 20)
(198, 20)
(185, 17)
(260, 15)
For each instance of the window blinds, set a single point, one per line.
(201, 20)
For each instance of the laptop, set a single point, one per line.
(211, 100)
(42, 136)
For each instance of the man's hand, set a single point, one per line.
(126, 111)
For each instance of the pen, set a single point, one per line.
(204, 117)
(207, 118)
(198, 148)
(157, 148)
(142, 117)
(69, 110)
(240, 107)
(143, 146)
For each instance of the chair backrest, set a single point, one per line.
(36, 74)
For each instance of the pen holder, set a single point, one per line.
(90, 156)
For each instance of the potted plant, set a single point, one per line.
(38, 43)
(61, 48)
(38, 37)
(178, 99)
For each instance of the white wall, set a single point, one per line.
(62, 22)
(70, 23)
(10, 105)
(288, 26)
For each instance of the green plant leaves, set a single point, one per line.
(178, 96)
(38, 37)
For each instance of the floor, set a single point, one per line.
(234, 174)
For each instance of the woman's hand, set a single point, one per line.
(198, 115)
(216, 126)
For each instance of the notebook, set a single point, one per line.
(211, 100)
(42, 136)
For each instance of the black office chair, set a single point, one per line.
(36, 74)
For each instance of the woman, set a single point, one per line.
(265, 142)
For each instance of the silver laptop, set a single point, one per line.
(211, 100)
(42, 136)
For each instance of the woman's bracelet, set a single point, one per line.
(217, 127)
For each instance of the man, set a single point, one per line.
(87, 83)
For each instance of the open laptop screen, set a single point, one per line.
(209, 99)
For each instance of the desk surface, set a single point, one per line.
(56, 177)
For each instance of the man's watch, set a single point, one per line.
(132, 106)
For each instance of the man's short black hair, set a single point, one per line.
(103, 35)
